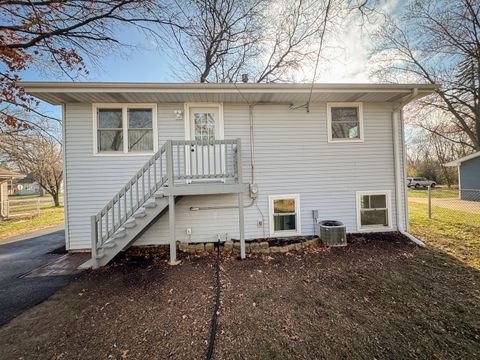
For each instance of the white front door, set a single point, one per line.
(205, 126)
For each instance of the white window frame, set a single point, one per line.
(298, 221)
(359, 106)
(363, 228)
(124, 107)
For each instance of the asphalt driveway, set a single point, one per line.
(19, 293)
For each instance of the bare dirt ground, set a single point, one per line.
(379, 298)
(451, 203)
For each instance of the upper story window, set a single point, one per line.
(125, 129)
(140, 130)
(345, 122)
(109, 130)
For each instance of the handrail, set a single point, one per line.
(176, 162)
(131, 196)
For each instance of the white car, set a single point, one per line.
(420, 182)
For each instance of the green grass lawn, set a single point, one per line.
(48, 217)
(436, 193)
(454, 232)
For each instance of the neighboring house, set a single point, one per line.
(227, 161)
(26, 186)
(6, 177)
(468, 176)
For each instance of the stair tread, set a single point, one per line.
(124, 236)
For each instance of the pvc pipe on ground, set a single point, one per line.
(413, 238)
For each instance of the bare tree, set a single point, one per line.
(59, 35)
(39, 156)
(216, 38)
(438, 42)
(219, 40)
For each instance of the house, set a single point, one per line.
(150, 164)
(6, 176)
(25, 186)
(468, 176)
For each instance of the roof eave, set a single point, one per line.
(213, 87)
(463, 159)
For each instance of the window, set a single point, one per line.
(110, 132)
(140, 130)
(284, 215)
(345, 122)
(373, 210)
(122, 129)
(204, 123)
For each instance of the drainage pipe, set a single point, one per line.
(412, 238)
(397, 133)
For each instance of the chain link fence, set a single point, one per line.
(13, 208)
(448, 205)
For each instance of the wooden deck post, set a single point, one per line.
(241, 223)
(94, 242)
(171, 225)
(171, 204)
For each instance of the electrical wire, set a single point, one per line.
(322, 36)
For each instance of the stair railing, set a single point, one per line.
(142, 186)
(177, 161)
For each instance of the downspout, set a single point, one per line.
(397, 130)
(65, 182)
(252, 142)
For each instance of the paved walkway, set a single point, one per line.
(451, 203)
(32, 234)
(19, 293)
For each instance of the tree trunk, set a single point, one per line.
(56, 199)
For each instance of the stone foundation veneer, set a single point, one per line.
(229, 247)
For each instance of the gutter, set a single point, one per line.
(397, 132)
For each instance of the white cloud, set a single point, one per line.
(348, 51)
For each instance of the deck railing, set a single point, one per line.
(197, 160)
(177, 162)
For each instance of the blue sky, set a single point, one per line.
(144, 63)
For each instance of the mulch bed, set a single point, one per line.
(279, 241)
(379, 297)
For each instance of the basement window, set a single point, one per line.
(345, 122)
(284, 215)
(124, 129)
(373, 210)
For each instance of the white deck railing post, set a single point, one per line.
(169, 158)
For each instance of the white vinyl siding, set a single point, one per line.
(292, 156)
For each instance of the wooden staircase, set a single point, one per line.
(167, 176)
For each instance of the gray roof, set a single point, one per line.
(9, 174)
(463, 159)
